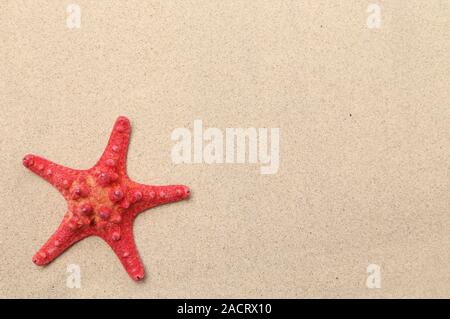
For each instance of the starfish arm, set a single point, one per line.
(59, 176)
(65, 236)
(121, 240)
(158, 195)
(115, 155)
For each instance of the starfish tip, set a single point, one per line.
(186, 192)
(138, 276)
(28, 160)
(123, 118)
(122, 124)
(39, 260)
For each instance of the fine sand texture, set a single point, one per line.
(359, 90)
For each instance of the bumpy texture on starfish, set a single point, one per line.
(102, 201)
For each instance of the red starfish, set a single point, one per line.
(102, 201)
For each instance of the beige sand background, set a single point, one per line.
(364, 119)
